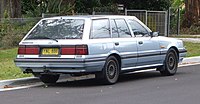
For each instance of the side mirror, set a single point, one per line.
(154, 34)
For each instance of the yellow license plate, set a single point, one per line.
(50, 51)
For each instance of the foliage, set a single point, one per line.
(13, 30)
(192, 14)
(35, 8)
(146, 4)
(7, 67)
(89, 5)
(86, 6)
(177, 3)
(193, 30)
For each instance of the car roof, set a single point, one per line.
(90, 17)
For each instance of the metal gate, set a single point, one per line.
(155, 20)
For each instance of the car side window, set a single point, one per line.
(100, 29)
(122, 28)
(115, 33)
(138, 29)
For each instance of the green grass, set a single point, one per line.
(8, 70)
(186, 36)
(193, 49)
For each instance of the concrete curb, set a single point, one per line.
(18, 81)
(28, 80)
(191, 60)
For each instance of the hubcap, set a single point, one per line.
(171, 61)
(112, 69)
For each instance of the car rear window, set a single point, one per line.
(58, 29)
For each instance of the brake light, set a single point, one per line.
(81, 50)
(28, 50)
(22, 50)
(74, 50)
(68, 50)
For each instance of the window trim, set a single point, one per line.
(91, 28)
(112, 29)
(139, 24)
(126, 25)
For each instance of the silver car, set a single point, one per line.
(102, 45)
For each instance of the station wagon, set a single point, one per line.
(104, 45)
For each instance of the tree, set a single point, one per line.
(146, 4)
(192, 13)
(84, 5)
(35, 8)
(10, 7)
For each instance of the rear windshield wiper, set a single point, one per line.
(54, 39)
(43, 37)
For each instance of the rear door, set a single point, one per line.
(100, 43)
(124, 44)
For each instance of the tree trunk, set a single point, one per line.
(15, 6)
(192, 13)
(11, 8)
(3, 7)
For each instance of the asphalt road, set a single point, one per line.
(137, 88)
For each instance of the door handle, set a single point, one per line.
(117, 43)
(140, 42)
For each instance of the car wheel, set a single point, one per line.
(49, 78)
(170, 63)
(36, 74)
(110, 71)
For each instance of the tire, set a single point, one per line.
(110, 72)
(49, 78)
(36, 74)
(170, 64)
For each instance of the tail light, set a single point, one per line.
(81, 50)
(74, 50)
(68, 50)
(28, 50)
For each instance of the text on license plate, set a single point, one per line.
(50, 51)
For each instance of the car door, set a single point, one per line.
(148, 47)
(124, 44)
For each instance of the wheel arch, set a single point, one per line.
(176, 49)
(118, 59)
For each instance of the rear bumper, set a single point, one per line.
(60, 65)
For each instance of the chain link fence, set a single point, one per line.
(155, 20)
(174, 21)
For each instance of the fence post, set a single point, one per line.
(93, 11)
(146, 19)
(168, 21)
(125, 11)
(42, 15)
(178, 22)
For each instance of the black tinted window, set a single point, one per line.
(100, 29)
(137, 28)
(122, 28)
(115, 33)
(58, 29)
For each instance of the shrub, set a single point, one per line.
(193, 30)
(13, 30)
